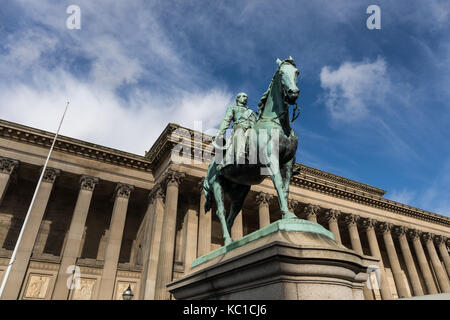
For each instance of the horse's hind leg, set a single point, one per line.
(237, 193)
(219, 196)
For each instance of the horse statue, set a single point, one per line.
(272, 126)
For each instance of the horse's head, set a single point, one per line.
(288, 73)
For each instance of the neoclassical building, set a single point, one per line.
(105, 219)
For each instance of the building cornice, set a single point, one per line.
(36, 137)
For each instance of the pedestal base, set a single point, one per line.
(290, 259)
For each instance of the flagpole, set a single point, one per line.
(16, 248)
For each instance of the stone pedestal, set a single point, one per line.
(291, 259)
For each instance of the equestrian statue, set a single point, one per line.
(261, 145)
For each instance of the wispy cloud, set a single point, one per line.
(353, 88)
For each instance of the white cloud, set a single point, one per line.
(403, 196)
(36, 82)
(353, 88)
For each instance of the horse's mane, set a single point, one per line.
(263, 100)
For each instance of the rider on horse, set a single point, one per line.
(243, 119)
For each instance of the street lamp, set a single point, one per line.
(128, 294)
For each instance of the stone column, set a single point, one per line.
(440, 242)
(204, 225)
(42, 237)
(191, 238)
(114, 242)
(151, 262)
(167, 249)
(423, 264)
(7, 166)
(5, 225)
(438, 269)
(369, 225)
(332, 217)
(385, 229)
(311, 211)
(400, 232)
(263, 201)
(237, 230)
(20, 265)
(73, 244)
(350, 220)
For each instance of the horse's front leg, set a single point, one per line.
(278, 182)
(286, 174)
(219, 196)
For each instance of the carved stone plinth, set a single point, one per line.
(290, 259)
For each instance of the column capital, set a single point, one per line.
(350, 219)
(263, 198)
(123, 190)
(332, 214)
(367, 223)
(172, 177)
(8, 165)
(426, 236)
(88, 183)
(311, 209)
(50, 174)
(438, 239)
(399, 231)
(384, 227)
(413, 234)
(292, 204)
(156, 192)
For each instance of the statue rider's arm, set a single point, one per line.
(225, 122)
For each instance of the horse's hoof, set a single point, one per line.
(289, 215)
(228, 241)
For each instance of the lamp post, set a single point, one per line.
(128, 294)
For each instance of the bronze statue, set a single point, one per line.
(272, 134)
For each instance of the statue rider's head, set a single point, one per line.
(241, 99)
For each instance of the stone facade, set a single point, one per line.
(106, 219)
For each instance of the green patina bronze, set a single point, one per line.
(272, 121)
(292, 224)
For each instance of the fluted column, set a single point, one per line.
(167, 249)
(350, 220)
(20, 265)
(385, 229)
(112, 251)
(157, 196)
(332, 217)
(440, 242)
(237, 230)
(204, 225)
(75, 236)
(7, 166)
(400, 232)
(263, 201)
(423, 264)
(369, 225)
(438, 269)
(311, 211)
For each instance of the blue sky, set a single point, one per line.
(375, 103)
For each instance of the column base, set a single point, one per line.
(291, 259)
